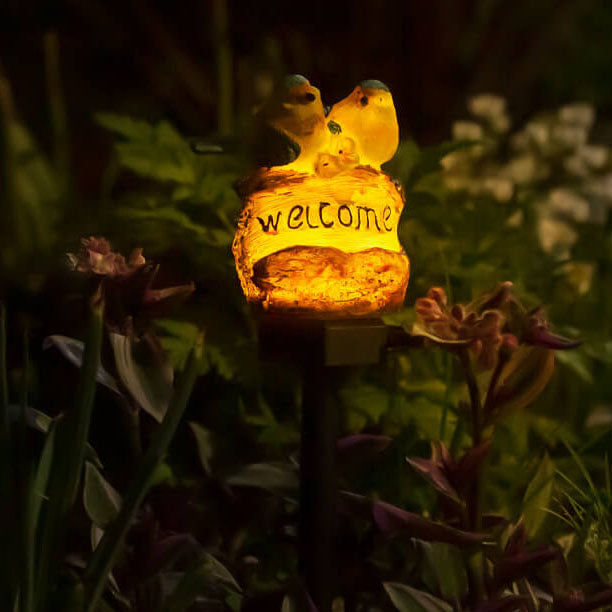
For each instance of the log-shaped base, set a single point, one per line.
(331, 283)
(322, 246)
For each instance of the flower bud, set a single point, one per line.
(438, 295)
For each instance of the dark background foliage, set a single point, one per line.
(157, 59)
(112, 91)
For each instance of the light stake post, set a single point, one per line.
(317, 254)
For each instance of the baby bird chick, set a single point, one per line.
(293, 128)
(341, 155)
(367, 116)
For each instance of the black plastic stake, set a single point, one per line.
(318, 490)
(323, 350)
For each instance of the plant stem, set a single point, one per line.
(472, 385)
(4, 416)
(104, 556)
(475, 563)
(448, 368)
(502, 360)
(132, 422)
(77, 423)
(7, 513)
(26, 556)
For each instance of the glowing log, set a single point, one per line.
(322, 245)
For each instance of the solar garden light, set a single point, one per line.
(318, 256)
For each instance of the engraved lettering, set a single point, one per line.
(340, 209)
(322, 205)
(298, 210)
(386, 217)
(347, 215)
(367, 210)
(265, 226)
(308, 219)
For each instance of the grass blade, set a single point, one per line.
(26, 556)
(7, 511)
(109, 547)
(4, 416)
(77, 423)
(70, 446)
(582, 467)
(43, 472)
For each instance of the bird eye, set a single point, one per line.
(310, 97)
(363, 100)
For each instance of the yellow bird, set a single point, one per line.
(296, 117)
(367, 116)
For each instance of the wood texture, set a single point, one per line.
(310, 244)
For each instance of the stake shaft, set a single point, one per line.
(318, 494)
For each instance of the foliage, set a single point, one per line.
(460, 485)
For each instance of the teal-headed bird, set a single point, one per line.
(291, 126)
(367, 116)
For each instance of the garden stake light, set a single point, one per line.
(317, 254)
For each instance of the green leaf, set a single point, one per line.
(38, 420)
(71, 449)
(145, 371)
(43, 471)
(218, 360)
(101, 562)
(95, 535)
(156, 162)
(176, 339)
(521, 382)
(4, 400)
(133, 129)
(299, 602)
(280, 479)
(419, 330)
(218, 573)
(445, 570)
(578, 362)
(101, 500)
(205, 444)
(72, 349)
(178, 220)
(401, 318)
(289, 605)
(366, 402)
(33, 194)
(155, 151)
(408, 599)
(208, 573)
(538, 496)
(430, 158)
(404, 160)
(424, 413)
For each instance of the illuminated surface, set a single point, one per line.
(318, 235)
(313, 279)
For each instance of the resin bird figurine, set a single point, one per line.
(367, 117)
(292, 127)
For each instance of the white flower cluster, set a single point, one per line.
(549, 163)
(472, 169)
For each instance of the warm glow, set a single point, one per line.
(318, 235)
